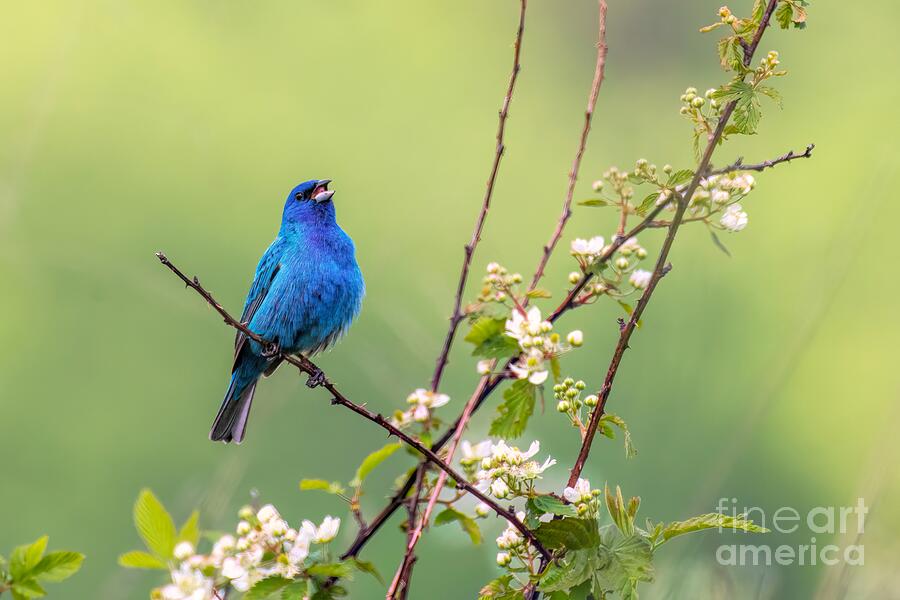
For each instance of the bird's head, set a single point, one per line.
(309, 201)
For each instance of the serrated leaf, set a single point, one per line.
(154, 525)
(468, 524)
(190, 531)
(771, 93)
(373, 460)
(265, 588)
(341, 570)
(710, 521)
(499, 589)
(56, 566)
(630, 450)
(679, 177)
(569, 533)
(551, 505)
(629, 560)
(489, 337)
(331, 487)
(647, 203)
(516, 409)
(298, 590)
(574, 569)
(784, 15)
(594, 202)
(138, 559)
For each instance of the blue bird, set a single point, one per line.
(307, 290)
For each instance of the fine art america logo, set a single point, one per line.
(820, 520)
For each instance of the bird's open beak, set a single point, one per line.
(322, 193)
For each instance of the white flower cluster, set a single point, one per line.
(715, 193)
(421, 403)
(585, 500)
(586, 252)
(498, 283)
(511, 542)
(508, 472)
(537, 342)
(265, 546)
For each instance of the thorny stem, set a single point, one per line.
(661, 267)
(739, 165)
(469, 248)
(579, 153)
(568, 303)
(307, 366)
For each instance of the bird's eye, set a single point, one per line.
(299, 196)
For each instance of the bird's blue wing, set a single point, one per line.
(266, 270)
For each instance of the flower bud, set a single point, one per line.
(580, 385)
(482, 509)
(563, 406)
(575, 338)
(503, 558)
(698, 102)
(591, 400)
(568, 382)
(246, 512)
(640, 253)
(183, 550)
(621, 263)
(484, 367)
(597, 185)
(574, 277)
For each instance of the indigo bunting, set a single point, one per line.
(307, 290)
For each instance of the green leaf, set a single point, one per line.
(731, 54)
(154, 525)
(265, 588)
(450, 515)
(630, 450)
(24, 558)
(364, 566)
(490, 340)
(576, 568)
(537, 293)
(298, 590)
(331, 487)
(771, 93)
(517, 407)
(679, 177)
(56, 566)
(190, 531)
(341, 570)
(138, 559)
(595, 202)
(500, 589)
(784, 15)
(29, 588)
(709, 521)
(569, 533)
(719, 243)
(373, 460)
(647, 203)
(628, 560)
(759, 8)
(551, 505)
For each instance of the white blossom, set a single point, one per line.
(640, 278)
(508, 469)
(581, 492)
(587, 251)
(575, 338)
(734, 218)
(183, 550)
(484, 366)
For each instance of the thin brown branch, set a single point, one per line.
(405, 567)
(739, 165)
(568, 303)
(579, 152)
(307, 366)
(469, 249)
(662, 266)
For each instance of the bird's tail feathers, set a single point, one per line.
(231, 421)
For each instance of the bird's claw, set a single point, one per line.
(271, 350)
(316, 378)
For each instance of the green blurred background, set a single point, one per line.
(129, 127)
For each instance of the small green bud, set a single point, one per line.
(698, 102)
(580, 385)
(667, 169)
(563, 406)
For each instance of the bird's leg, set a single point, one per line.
(316, 375)
(271, 350)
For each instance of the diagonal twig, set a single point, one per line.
(469, 249)
(738, 165)
(599, 70)
(307, 366)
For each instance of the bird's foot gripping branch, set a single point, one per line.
(571, 541)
